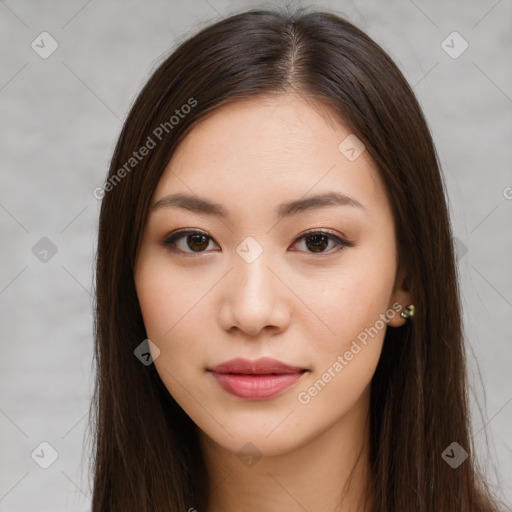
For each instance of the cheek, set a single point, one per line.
(173, 313)
(353, 306)
(344, 362)
(166, 297)
(354, 298)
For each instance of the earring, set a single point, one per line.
(409, 313)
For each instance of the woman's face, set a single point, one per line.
(264, 274)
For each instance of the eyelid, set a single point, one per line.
(169, 241)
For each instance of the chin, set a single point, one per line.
(256, 440)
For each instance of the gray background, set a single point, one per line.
(60, 119)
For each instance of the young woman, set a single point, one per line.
(278, 323)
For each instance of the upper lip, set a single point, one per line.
(262, 366)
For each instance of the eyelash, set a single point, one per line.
(169, 242)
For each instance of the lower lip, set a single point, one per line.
(256, 387)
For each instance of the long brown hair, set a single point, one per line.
(147, 455)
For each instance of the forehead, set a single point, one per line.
(260, 149)
(270, 126)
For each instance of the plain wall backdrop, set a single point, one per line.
(62, 109)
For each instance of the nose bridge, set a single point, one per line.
(253, 278)
(253, 293)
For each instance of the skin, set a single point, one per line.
(302, 307)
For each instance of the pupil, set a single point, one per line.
(202, 245)
(319, 242)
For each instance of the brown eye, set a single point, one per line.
(191, 242)
(318, 241)
(199, 242)
(194, 242)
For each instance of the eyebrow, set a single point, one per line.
(203, 206)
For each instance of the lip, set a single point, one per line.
(256, 380)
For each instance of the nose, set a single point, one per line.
(254, 298)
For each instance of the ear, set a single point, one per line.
(402, 296)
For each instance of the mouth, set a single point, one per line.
(256, 380)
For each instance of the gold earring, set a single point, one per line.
(409, 313)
